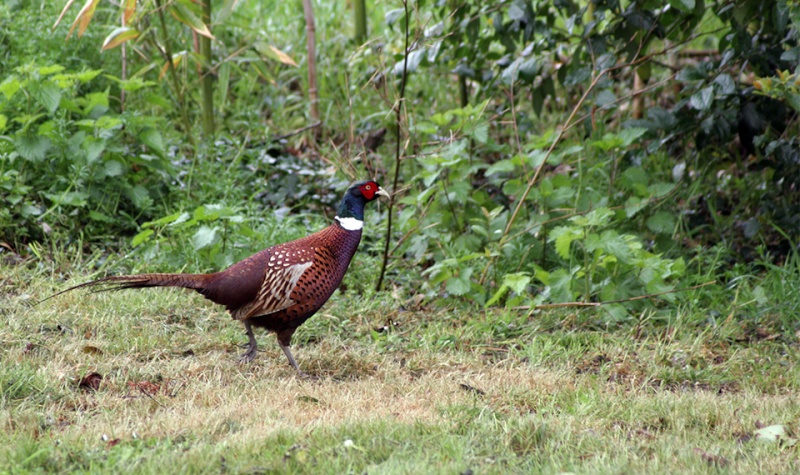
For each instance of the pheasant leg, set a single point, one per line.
(284, 340)
(252, 347)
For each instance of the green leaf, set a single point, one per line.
(502, 166)
(457, 285)
(51, 69)
(113, 168)
(141, 237)
(481, 133)
(497, 295)
(661, 222)
(3, 122)
(563, 237)
(614, 244)
(47, 94)
(88, 75)
(518, 281)
(9, 87)
(31, 147)
(633, 205)
(560, 286)
(70, 198)
(204, 237)
(153, 139)
(596, 218)
(139, 196)
(703, 99)
(97, 216)
(93, 148)
(176, 217)
(631, 135)
(686, 6)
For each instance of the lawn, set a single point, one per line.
(149, 382)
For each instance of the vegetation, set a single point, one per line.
(590, 263)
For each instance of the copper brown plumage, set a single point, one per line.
(280, 287)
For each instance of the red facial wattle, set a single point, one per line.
(369, 189)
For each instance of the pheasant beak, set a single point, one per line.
(383, 192)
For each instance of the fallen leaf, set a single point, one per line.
(712, 459)
(467, 387)
(773, 433)
(90, 382)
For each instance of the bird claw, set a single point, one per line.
(248, 356)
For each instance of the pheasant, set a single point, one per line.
(280, 287)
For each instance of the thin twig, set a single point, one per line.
(398, 124)
(150, 396)
(298, 131)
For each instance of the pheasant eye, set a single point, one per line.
(368, 187)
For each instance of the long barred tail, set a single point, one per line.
(140, 281)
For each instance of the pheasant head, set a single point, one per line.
(351, 210)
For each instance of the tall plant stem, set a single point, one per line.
(311, 50)
(360, 18)
(398, 109)
(207, 77)
(173, 74)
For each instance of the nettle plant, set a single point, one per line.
(69, 164)
(579, 236)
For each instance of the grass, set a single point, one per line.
(425, 390)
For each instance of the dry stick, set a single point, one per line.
(298, 131)
(150, 396)
(398, 123)
(311, 49)
(124, 76)
(600, 304)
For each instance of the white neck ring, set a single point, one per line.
(350, 224)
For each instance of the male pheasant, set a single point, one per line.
(280, 287)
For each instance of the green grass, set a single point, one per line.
(445, 390)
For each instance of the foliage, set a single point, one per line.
(68, 163)
(591, 151)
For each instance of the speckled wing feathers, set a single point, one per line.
(284, 268)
